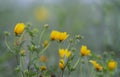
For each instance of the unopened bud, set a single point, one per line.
(22, 52)
(46, 25)
(26, 72)
(7, 33)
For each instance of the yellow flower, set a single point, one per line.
(19, 28)
(97, 66)
(84, 51)
(93, 62)
(22, 52)
(61, 53)
(61, 64)
(43, 68)
(43, 58)
(63, 36)
(64, 52)
(112, 65)
(54, 35)
(41, 14)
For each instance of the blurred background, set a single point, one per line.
(96, 20)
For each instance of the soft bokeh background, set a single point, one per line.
(96, 20)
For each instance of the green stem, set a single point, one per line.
(45, 48)
(80, 71)
(69, 73)
(22, 66)
(94, 75)
(92, 72)
(10, 50)
(22, 36)
(62, 74)
(68, 46)
(87, 65)
(78, 61)
(29, 64)
(41, 35)
(17, 60)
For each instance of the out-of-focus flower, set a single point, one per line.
(64, 52)
(43, 58)
(97, 66)
(43, 68)
(61, 64)
(19, 28)
(41, 14)
(22, 52)
(84, 51)
(112, 65)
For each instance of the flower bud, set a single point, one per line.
(22, 52)
(19, 28)
(26, 72)
(46, 26)
(7, 33)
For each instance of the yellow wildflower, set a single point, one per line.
(54, 35)
(19, 28)
(84, 51)
(61, 53)
(97, 66)
(43, 58)
(67, 53)
(41, 14)
(61, 64)
(112, 65)
(64, 52)
(43, 68)
(93, 62)
(63, 36)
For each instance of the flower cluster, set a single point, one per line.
(30, 49)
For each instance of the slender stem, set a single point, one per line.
(87, 65)
(16, 56)
(29, 64)
(78, 61)
(21, 37)
(92, 72)
(80, 75)
(69, 73)
(45, 48)
(22, 66)
(62, 74)
(37, 73)
(41, 35)
(68, 46)
(10, 50)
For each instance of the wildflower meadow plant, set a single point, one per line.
(29, 46)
